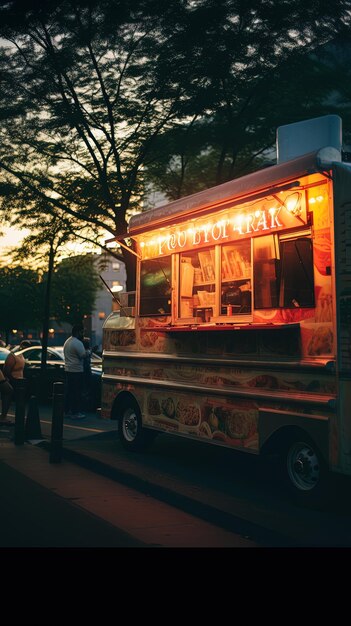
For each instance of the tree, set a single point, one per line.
(21, 298)
(331, 65)
(44, 247)
(278, 63)
(185, 160)
(88, 87)
(75, 284)
(48, 237)
(84, 103)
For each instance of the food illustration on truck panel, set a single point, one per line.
(229, 423)
(180, 410)
(223, 422)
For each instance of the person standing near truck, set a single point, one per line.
(13, 374)
(6, 393)
(14, 364)
(74, 355)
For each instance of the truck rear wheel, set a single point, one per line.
(305, 470)
(130, 428)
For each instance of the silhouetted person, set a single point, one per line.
(74, 355)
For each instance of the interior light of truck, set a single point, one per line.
(221, 224)
(206, 228)
(315, 199)
(293, 204)
(238, 220)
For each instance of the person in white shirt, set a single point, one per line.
(74, 354)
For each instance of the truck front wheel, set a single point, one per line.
(130, 428)
(305, 470)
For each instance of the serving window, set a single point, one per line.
(267, 272)
(296, 282)
(215, 283)
(236, 278)
(155, 286)
(229, 281)
(197, 284)
(283, 271)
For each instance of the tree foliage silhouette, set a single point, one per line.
(88, 87)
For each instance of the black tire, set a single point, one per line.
(131, 433)
(304, 471)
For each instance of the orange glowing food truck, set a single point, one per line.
(239, 331)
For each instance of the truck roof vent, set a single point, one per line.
(294, 140)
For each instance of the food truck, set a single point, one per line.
(239, 331)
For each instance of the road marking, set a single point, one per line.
(93, 430)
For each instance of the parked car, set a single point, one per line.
(17, 348)
(95, 358)
(43, 389)
(3, 354)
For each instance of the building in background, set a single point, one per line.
(115, 276)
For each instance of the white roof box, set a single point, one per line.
(294, 140)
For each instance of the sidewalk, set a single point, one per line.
(79, 480)
(168, 497)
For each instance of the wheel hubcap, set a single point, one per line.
(130, 425)
(303, 466)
